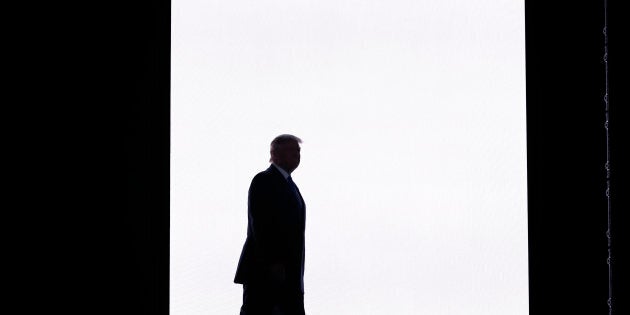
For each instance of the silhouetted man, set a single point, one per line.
(271, 266)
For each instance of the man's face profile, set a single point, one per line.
(287, 156)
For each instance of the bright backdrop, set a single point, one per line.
(414, 156)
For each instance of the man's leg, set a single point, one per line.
(257, 300)
(292, 302)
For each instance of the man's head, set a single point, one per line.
(285, 152)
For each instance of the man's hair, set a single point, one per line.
(282, 139)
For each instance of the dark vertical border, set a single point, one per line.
(619, 86)
(146, 51)
(566, 154)
(567, 206)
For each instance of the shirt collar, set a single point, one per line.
(282, 171)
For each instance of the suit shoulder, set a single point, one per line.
(264, 176)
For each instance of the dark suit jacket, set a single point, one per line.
(275, 231)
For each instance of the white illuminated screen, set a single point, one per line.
(413, 163)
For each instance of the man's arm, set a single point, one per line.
(262, 214)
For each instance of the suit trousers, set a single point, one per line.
(261, 299)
